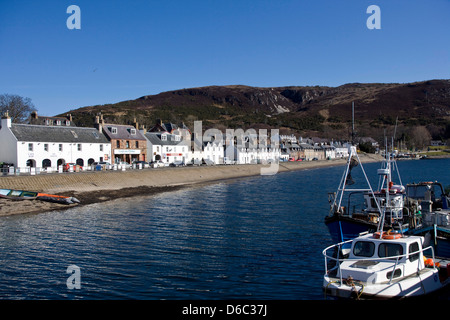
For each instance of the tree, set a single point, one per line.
(18, 108)
(420, 137)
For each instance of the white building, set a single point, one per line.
(41, 146)
(166, 147)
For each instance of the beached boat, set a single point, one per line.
(31, 195)
(17, 194)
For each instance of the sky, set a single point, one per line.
(128, 49)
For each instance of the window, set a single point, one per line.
(60, 147)
(101, 147)
(390, 250)
(163, 137)
(114, 130)
(364, 249)
(30, 147)
(117, 144)
(45, 146)
(95, 134)
(58, 122)
(133, 131)
(74, 134)
(128, 144)
(413, 247)
(137, 144)
(79, 147)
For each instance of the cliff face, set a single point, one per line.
(319, 110)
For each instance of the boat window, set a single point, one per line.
(364, 249)
(413, 247)
(397, 273)
(390, 250)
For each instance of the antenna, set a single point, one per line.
(353, 122)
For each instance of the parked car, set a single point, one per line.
(177, 164)
(143, 163)
(124, 164)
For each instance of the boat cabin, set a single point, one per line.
(374, 260)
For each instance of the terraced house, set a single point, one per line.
(128, 144)
(51, 145)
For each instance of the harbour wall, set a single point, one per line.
(160, 177)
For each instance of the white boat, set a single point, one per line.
(384, 264)
(390, 266)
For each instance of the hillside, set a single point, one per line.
(309, 111)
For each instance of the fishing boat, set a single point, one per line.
(431, 206)
(357, 210)
(381, 264)
(384, 265)
(32, 195)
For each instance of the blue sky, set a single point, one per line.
(127, 49)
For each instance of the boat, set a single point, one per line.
(32, 195)
(18, 194)
(381, 264)
(356, 210)
(57, 199)
(384, 265)
(432, 216)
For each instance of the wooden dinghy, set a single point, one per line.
(18, 194)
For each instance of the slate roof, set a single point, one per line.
(37, 133)
(123, 132)
(155, 139)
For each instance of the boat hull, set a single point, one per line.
(427, 283)
(343, 228)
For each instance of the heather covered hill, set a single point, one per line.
(307, 110)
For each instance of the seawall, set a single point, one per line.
(98, 186)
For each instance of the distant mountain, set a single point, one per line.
(308, 111)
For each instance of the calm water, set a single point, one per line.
(252, 238)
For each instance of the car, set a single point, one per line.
(124, 164)
(142, 163)
(177, 164)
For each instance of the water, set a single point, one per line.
(252, 238)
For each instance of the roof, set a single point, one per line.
(155, 139)
(27, 132)
(123, 132)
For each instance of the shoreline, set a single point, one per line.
(97, 187)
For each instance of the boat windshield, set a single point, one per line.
(364, 249)
(390, 250)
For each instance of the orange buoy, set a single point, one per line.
(387, 235)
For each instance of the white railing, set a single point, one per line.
(390, 258)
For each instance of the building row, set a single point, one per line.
(51, 142)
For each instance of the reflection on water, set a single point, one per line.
(258, 238)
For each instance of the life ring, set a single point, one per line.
(388, 235)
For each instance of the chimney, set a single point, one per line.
(34, 115)
(135, 124)
(6, 120)
(143, 129)
(69, 117)
(99, 123)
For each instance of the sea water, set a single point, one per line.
(251, 238)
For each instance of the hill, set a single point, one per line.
(308, 110)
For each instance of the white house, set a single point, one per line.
(166, 147)
(42, 146)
